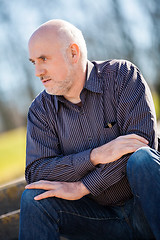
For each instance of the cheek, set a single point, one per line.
(61, 72)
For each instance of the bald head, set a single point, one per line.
(58, 51)
(63, 33)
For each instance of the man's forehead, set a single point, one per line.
(39, 50)
(42, 46)
(44, 34)
(43, 40)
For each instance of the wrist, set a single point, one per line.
(83, 189)
(93, 157)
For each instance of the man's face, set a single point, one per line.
(51, 66)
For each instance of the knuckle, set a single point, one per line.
(119, 138)
(41, 181)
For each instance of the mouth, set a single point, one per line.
(45, 81)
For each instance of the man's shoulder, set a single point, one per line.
(116, 72)
(113, 65)
(41, 101)
(38, 99)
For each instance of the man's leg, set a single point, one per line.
(82, 219)
(35, 220)
(143, 171)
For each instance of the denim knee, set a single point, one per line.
(142, 166)
(28, 196)
(38, 219)
(143, 172)
(142, 160)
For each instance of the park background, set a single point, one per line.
(119, 29)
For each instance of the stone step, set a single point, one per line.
(9, 226)
(10, 195)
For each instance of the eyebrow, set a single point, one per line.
(41, 57)
(31, 60)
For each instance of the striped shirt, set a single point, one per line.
(115, 101)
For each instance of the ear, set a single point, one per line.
(74, 53)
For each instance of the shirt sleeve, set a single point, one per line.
(43, 155)
(135, 114)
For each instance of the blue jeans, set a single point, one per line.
(84, 219)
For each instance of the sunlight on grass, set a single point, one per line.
(156, 100)
(12, 154)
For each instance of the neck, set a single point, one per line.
(80, 78)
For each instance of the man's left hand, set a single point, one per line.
(64, 190)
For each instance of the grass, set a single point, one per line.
(12, 154)
(156, 100)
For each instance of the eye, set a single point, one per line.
(44, 59)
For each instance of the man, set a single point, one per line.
(92, 161)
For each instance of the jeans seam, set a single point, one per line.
(127, 218)
(91, 218)
(53, 220)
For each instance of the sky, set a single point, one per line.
(140, 22)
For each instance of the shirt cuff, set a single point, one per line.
(94, 183)
(82, 163)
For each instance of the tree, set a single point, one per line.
(108, 33)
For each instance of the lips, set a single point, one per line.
(44, 81)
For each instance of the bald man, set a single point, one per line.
(92, 164)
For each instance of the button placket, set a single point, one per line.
(84, 122)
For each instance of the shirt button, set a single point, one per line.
(82, 113)
(89, 138)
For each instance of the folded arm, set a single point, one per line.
(107, 153)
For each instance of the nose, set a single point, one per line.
(39, 71)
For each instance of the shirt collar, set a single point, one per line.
(93, 83)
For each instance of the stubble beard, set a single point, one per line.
(62, 89)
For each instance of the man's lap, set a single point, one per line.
(87, 220)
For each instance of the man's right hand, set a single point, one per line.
(118, 147)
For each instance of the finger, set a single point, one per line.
(135, 147)
(137, 137)
(135, 143)
(46, 185)
(44, 195)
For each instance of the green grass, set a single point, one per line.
(156, 100)
(12, 154)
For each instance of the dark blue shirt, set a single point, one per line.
(60, 135)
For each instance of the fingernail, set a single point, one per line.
(146, 141)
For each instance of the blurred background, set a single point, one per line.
(119, 29)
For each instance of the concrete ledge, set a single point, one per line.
(10, 195)
(9, 226)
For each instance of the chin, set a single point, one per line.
(50, 92)
(53, 92)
